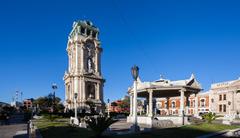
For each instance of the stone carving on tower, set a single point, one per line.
(83, 75)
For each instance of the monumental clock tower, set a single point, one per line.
(83, 77)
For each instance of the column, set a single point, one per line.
(187, 104)
(76, 74)
(131, 106)
(147, 110)
(69, 61)
(135, 106)
(196, 106)
(150, 113)
(83, 90)
(97, 91)
(82, 58)
(71, 92)
(98, 60)
(167, 105)
(181, 102)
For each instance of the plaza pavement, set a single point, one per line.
(16, 128)
(123, 127)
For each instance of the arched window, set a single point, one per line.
(202, 102)
(159, 105)
(91, 91)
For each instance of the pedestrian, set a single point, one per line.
(7, 119)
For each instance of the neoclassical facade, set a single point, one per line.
(83, 76)
(225, 97)
(171, 106)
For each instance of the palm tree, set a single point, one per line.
(99, 124)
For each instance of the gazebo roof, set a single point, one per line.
(166, 85)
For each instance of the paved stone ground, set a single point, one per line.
(122, 126)
(16, 128)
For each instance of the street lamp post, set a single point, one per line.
(135, 71)
(54, 87)
(108, 100)
(75, 104)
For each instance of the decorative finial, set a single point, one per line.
(161, 77)
(192, 76)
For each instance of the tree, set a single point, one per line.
(46, 102)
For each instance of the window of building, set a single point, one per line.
(94, 34)
(88, 32)
(173, 112)
(224, 97)
(159, 105)
(202, 102)
(173, 104)
(165, 104)
(82, 30)
(220, 97)
(224, 108)
(220, 108)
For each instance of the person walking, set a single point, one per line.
(7, 119)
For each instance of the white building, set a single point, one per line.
(225, 97)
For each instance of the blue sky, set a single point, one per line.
(172, 38)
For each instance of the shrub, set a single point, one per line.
(99, 124)
(51, 117)
(209, 117)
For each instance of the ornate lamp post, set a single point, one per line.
(54, 87)
(75, 104)
(135, 72)
(108, 100)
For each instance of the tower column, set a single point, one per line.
(82, 58)
(98, 60)
(97, 91)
